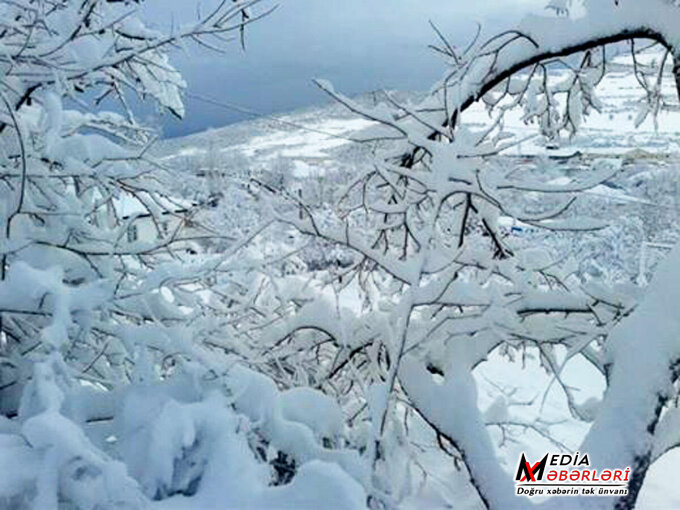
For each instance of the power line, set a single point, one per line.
(257, 115)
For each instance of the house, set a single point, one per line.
(510, 225)
(170, 220)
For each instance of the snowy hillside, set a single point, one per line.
(316, 133)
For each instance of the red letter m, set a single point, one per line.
(527, 472)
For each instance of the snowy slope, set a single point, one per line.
(313, 136)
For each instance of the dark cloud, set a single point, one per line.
(360, 45)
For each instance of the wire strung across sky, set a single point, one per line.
(256, 115)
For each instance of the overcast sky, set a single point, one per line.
(359, 45)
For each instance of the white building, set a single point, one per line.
(164, 221)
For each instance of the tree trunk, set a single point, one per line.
(676, 71)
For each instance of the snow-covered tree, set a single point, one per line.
(134, 374)
(119, 382)
(445, 292)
